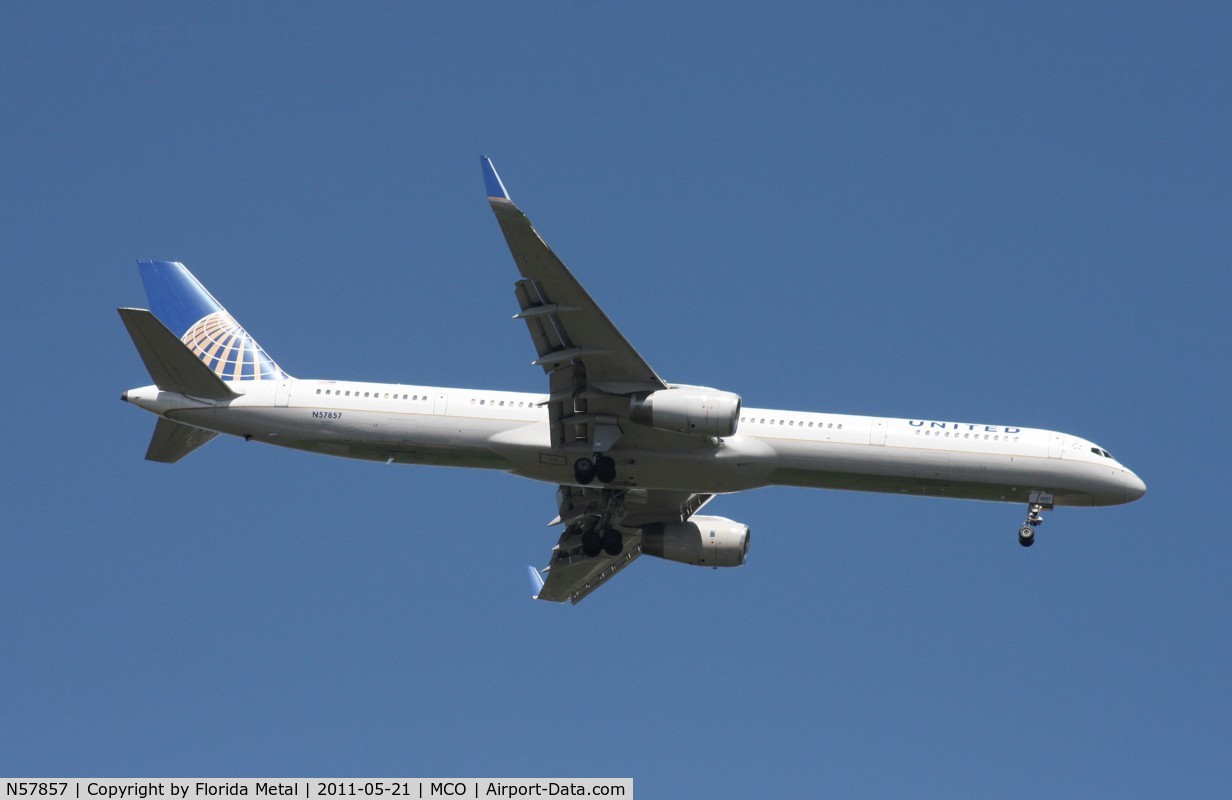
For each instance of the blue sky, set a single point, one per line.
(954, 212)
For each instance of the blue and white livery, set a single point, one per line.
(179, 300)
(634, 457)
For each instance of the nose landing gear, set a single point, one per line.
(1038, 501)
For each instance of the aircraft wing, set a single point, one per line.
(585, 356)
(571, 576)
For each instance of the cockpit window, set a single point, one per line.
(1103, 453)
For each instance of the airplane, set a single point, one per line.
(634, 457)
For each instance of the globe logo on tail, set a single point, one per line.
(227, 349)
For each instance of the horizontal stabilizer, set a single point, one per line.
(171, 364)
(173, 440)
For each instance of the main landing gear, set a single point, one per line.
(1039, 501)
(609, 541)
(602, 467)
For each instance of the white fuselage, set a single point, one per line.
(509, 431)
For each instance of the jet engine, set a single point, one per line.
(701, 541)
(688, 409)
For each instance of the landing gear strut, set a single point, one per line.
(1038, 501)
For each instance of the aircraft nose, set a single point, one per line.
(1134, 487)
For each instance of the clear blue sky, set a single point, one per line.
(951, 212)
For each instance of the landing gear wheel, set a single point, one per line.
(605, 469)
(1026, 536)
(613, 542)
(592, 543)
(584, 470)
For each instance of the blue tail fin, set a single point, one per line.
(182, 304)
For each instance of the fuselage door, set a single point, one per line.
(441, 406)
(877, 433)
(1055, 443)
(283, 395)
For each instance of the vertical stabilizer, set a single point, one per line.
(189, 311)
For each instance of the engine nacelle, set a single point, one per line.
(688, 409)
(702, 541)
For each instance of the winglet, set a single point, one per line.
(492, 181)
(536, 581)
